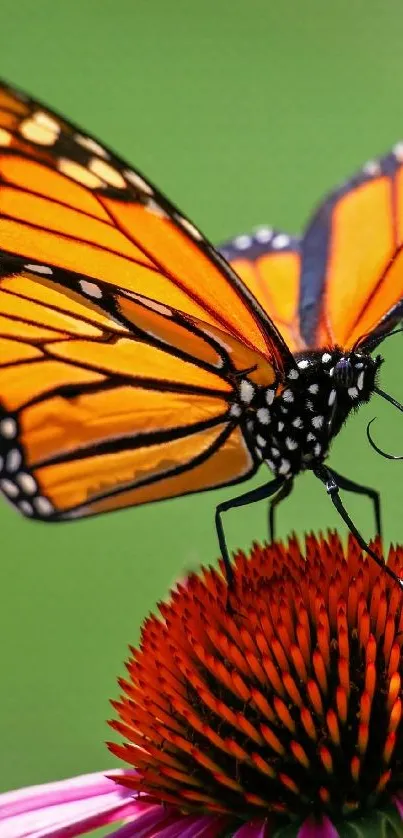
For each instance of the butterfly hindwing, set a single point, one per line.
(342, 282)
(346, 251)
(268, 261)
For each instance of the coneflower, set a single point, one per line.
(274, 709)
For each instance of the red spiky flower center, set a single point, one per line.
(288, 702)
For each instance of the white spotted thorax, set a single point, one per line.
(290, 428)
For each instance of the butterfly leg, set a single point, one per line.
(243, 500)
(329, 479)
(350, 486)
(281, 495)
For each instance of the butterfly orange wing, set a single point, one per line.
(342, 282)
(346, 249)
(269, 263)
(122, 332)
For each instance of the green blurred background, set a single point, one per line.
(244, 112)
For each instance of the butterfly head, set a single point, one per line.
(354, 374)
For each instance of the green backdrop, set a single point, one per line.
(244, 112)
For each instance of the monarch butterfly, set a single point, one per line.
(136, 364)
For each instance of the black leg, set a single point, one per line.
(281, 495)
(324, 474)
(350, 486)
(249, 497)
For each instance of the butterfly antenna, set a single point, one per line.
(376, 447)
(399, 406)
(388, 398)
(332, 489)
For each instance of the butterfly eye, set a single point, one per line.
(344, 372)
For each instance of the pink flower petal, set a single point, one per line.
(61, 791)
(254, 829)
(150, 823)
(196, 826)
(397, 800)
(312, 828)
(66, 808)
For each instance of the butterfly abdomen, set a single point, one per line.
(291, 429)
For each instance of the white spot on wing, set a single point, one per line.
(326, 357)
(109, 174)
(46, 121)
(8, 427)
(27, 483)
(313, 388)
(90, 288)
(353, 392)
(43, 505)
(138, 182)
(263, 234)
(360, 380)
(293, 374)
(26, 507)
(398, 151)
(155, 209)
(242, 242)
(235, 410)
(9, 488)
(261, 441)
(90, 145)
(190, 228)
(297, 422)
(303, 364)
(13, 460)
(371, 168)
(269, 396)
(332, 397)
(5, 137)
(291, 444)
(39, 269)
(280, 241)
(284, 467)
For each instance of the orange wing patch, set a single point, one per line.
(269, 264)
(363, 241)
(346, 252)
(207, 461)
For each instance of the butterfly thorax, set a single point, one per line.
(291, 427)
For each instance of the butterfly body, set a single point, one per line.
(292, 431)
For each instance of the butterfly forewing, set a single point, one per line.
(124, 337)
